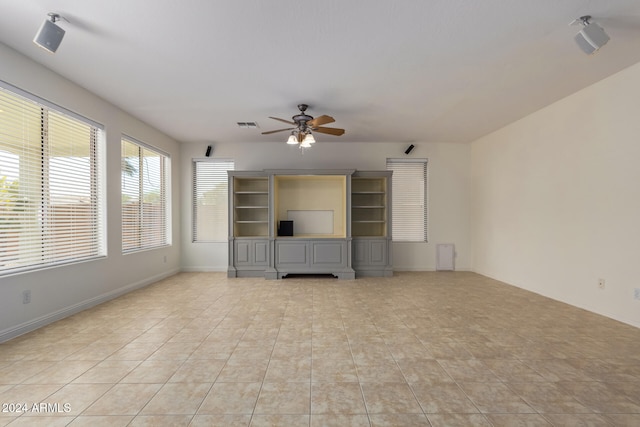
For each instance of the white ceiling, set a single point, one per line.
(405, 70)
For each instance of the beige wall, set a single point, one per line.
(60, 291)
(313, 193)
(556, 199)
(448, 191)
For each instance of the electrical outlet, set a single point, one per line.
(636, 293)
(26, 297)
(601, 283)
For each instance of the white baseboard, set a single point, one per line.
(595, 310)
(204, 269)
(419, 269)
(41, 321)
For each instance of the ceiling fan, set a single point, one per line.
(304, 125)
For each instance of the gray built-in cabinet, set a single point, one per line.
(341, 223)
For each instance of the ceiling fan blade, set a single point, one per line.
(277, 130)
(330, 131)
(282, 120)
(321, 120)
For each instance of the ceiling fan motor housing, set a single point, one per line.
(302, 119)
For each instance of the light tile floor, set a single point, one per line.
(437, 348)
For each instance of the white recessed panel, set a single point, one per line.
(445, 256)
(311, 222)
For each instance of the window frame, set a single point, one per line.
(398, 186)
(63, 227)
(165, 233)
(194, 203)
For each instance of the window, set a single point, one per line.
(409, 199)
(145, 180)
(210, 200)
(51, 197)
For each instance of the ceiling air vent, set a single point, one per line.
(247, 125)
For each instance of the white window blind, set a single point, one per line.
(211, 200)
(409, 199)
(50, 190)
(145, 178)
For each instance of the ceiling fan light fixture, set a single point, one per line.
(305, 144)
(309, 139)
(293, 140)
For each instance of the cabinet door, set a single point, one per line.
(260, 252)
(329, 254)
(378, 252)
(243, 253)
(360, 252)
(250, 253)
(292, 254)
(367, 252)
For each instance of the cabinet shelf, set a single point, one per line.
(369, 207)
(250, 206)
